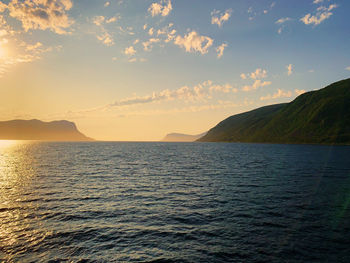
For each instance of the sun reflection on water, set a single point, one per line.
(16, 173)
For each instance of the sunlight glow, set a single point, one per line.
(2, 52)
(7, 143)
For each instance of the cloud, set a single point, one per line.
(42, 14)
(106, 4)
(258, 74)
(168, 32)
(193, 42)
(279, 94)
(222, 88)
(3, 7)
(33, 47)
(164, 30)
(151, 31)
(199, 92)
(106, 39)
(283, 20)
(317, 1)
(257, 84)
(220, 50)
(184, 93)
(162, 8)
(98, 20)
(219, 18)
(113, 19)
(322, 13)
(26, 54)
(128, 30)
(348, 68)
(147, 45)
(289, 69)
(130, 51)
(299, 91)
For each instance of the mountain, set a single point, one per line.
(179, 137)
(321, 116)
(39, 130)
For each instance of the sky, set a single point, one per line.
(135, 70)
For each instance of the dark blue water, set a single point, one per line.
(174, 202)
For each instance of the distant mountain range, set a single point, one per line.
(180, 137)
(39, 130)
(321, 116)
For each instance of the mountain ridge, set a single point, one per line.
(34, 129)
(321, 116)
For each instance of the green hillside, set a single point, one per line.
(321, 116)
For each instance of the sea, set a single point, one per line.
(173, 202)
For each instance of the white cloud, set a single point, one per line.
(147, 45)
(222, 88)
(98, 20)
(130, 51)
(317, 1)
(162, 8)
(243, 76)
(258, 74)
(279, 94)
(199, 92)
(106, 39)
(107, 4)
(164, 30)
(168, 32)
(184, 93)
(322, 13)
(193, 42)
(3, 7)
(299, 91)
(41, 14)
(219, 18)
(289, 69)
(348, 68)
(257, 84)
(283, 20)
(33, 47)
(136, 41)
(128, 30)
(25, 53)
(279, 31)
(220, 50)
(150, 31)
(113, 19)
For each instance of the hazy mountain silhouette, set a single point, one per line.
(39, 130)
(180, 137)
(321, 116)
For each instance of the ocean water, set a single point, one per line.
(174, 202)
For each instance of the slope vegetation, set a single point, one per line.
(321, 116)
